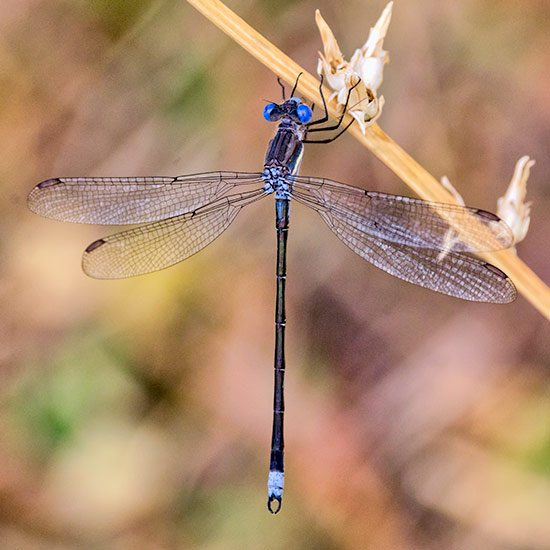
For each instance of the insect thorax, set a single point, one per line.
(283, 158)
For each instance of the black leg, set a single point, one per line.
(325, 118)
(282, 86)
(295, 84)
(328, 140)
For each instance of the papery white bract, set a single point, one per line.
(366, 64)
(512, 207)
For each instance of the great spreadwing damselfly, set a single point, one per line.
(425, 243)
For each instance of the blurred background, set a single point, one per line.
(137, 413)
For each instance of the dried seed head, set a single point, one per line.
(512, 207)
(367, 64)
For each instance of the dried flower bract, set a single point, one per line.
(366, 64)
(512, 207)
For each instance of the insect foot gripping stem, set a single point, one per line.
(275, 484)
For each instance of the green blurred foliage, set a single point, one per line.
(118, 16)
(59, 396)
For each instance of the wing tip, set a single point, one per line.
(503, 234)
(89, 261)
(512, 293)
(35, 197)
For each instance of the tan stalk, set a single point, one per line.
(379, 143)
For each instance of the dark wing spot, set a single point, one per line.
(496, 271)
(488, 215)
(97, 244)
(48, 183)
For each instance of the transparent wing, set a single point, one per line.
(120, 201)
(404, 220)
(163, 243)
(449, 272)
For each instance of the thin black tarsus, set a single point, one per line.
(282, 87)
(325, 118)
(296, 84)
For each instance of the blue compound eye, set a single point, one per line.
(267, 111)
(304, 113)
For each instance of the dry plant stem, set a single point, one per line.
(414, 175)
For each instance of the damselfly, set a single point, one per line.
(425, 243)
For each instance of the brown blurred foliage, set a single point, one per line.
(137, 413)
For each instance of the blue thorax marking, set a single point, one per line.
(278, 182)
